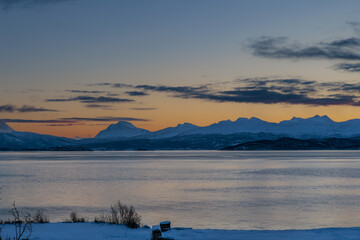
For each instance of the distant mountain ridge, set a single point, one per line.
(125, 136)
(313, 127)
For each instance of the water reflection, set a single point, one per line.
(203, 189)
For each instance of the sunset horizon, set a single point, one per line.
(137, 123)
(179, 119)
(175, 63)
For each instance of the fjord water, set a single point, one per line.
(200, 189)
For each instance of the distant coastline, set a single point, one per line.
(202, 143)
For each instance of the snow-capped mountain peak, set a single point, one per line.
(121, 124)
(122, 129)
(4, 128)
(323, 119)
(184, 125)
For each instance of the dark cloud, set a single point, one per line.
(114, 85)
(12, 120)
(84, 91)
(8, 4)
(143, 109)
(105, 119)
(345, 49)
(267, 96)
(108, 93)
(112, 94)
(136, 93)
(74, 120)
(349, 88)
(64, 125)
(7, 108)
(27, 108)
(348, 42)
(23, 109)
(121, 85)
(270, 91)
(181, 91)
(98, 84)
(104, 107)
(348, 67)
(91, 99)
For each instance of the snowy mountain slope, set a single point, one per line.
(180, 129)
(350, 127)
(241, 125)
(26, 140)
(4, 128)
(317, 126)
(121, 129)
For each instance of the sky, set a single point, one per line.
(72, 67)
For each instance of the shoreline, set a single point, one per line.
(99, 231)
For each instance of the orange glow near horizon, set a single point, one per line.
(196, 112)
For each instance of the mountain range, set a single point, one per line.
(125, 136)
(14, 140)
(314, 127)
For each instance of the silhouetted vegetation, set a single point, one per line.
(75, 218)
(40, 217)
(102, 219)
(121, 214)
(23, 226)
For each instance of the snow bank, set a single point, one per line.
(318, 234)
(98, 231)
(81, 231)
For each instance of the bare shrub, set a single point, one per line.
(124, 214)
(74, 218)
(8, 221)
(23, 226)
(40, 217)
(102, 219)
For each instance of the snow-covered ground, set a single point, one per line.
(96, 231)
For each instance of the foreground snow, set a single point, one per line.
(92, 231)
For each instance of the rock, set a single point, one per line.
(165, 226)
(156, 235)
(156, 232)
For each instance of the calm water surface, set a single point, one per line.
(200, 189)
